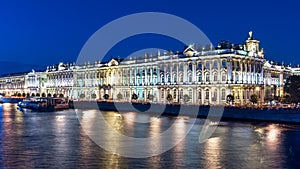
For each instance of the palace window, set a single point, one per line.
(223, 94)
(180, 93)
(224, 64)
(215, 77)
(199, 94)
(200, 77)
(207, 65)
(238, 95)
(138, 80)
(168, 78)
(174, 78)
(215, 64)
(174, 94)
(190, 66)
(215, 95)
(174, 68)
(154, 79)
(180, 78)
(207, 77)
(168, 91)
(223, 76)
(181, 67)
(191, 94)
(207, 94)
(200, 66)
(190, 79)
(162, 78)
(155, 70)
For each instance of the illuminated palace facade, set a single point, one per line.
(205, 75)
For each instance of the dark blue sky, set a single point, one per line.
(41, 33)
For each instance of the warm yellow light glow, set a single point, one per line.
(212, 153)
(273, 133)
(117, 115)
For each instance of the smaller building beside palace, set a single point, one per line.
(196, 75)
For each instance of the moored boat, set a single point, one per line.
(44, 104)
(10, 99)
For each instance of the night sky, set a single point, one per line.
(34, 34)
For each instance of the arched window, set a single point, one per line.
(224, 64)
(207, 77)
(174, 93)
(181, 67)
(223, 94)
(199, 94)
(215, 95)
(168, 78)
(180, 93)
(207, 94)
(223, 76)
(207, 65)
(215, 77)
(191, 94)
(200, 66)
(174, 68)
(190, 79)
(190, 66)
(174, 78)
(138, 80)
(180, 78)
(199, 77)
(215, 64)
(162, 78)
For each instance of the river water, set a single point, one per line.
(57, 140)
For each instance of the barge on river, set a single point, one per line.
(44, 104)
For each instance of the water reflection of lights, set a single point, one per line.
(273, 133)
(118, 115)
(88, 114)
(113, 161)
(155, 126)
(212, 152)
(213, 123)
(260, 131)
(60, 118)
(129, 119)
(180, 129)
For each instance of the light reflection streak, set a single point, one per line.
(154, 132)
(273, 134)
(180, 127)
(129, 119)
(155, 126)
(212, 152)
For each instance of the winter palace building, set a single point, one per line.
(206, 75)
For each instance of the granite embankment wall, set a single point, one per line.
(212, 112)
